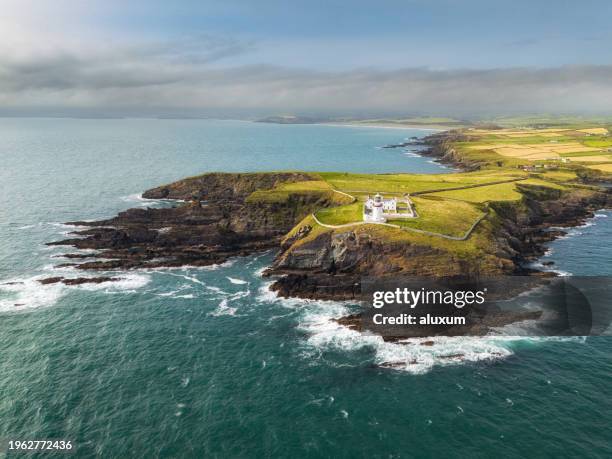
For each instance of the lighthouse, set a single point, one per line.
(373, 209)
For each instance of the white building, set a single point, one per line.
(373, 209)
(390, 205)
(378, 209)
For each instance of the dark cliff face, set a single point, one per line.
(441, 146)
(196, 233)
(523, 227)
(223, 186)
(229, 222)
(331, 265)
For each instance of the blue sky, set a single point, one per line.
(214, 56)
(392, 34)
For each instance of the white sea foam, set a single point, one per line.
(171, 270)
(27, 293)
(224, 309)
(541, 267)
(409, 355)
(193, 279)
(601, 216)
(255, 258)
(168, 294)
(212, 288)
(187, 268)
(145, 202)
(233, 280)
(266, 295)
(241, 294)
(55, 269)
(66, 228)
(127, 283)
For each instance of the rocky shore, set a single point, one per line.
(215, 219)
(331, 265)
(214, 223)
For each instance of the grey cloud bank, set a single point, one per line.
(149, 81)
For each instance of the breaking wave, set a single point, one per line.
(137, 199)
(233, 280)
(21, 294)
(415, 355)
(27, 293)
(224, 309)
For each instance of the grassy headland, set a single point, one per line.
(486, 220)
(459, 212)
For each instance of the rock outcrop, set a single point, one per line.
(225, 215)
(332, 264)
(217, 222)
(218, 216)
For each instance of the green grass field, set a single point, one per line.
(440, 208)
(341, 215)
(444, 216)
(499, 192)
(411, 183)
(446, 204)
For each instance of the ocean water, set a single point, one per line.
(208, 363)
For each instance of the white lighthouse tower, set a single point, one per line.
(373, 210)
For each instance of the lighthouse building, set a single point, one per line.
(373, 209)
(378, 209)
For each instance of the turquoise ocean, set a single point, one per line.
(208, 363)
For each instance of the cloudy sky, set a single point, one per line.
(353, 57)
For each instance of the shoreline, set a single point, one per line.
(154, 238)
(428, 127)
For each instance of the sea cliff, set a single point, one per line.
(331, 264)
(216, 221)
(218, 216)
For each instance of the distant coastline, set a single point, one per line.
(425, 127)
(429, 123)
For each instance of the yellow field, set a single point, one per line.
(486, 147)
(573, 148)
(540, 156)
(544, 144)
(526, 152)
(591, 159)
(597, 131)
(602, 167)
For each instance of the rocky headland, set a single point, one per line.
(216, 217)
(211, 222)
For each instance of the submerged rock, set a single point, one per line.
(78, 280)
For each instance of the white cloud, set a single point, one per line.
(53, 64)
